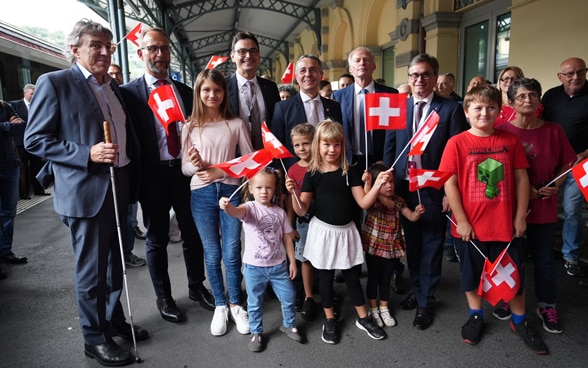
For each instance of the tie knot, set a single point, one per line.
(160, 82)
(364, 91)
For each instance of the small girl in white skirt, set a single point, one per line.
(333, 241)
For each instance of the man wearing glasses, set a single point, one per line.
(250, 97)
(566, 105)
(163, 186)
(424, 239)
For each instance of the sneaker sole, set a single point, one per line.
(368, 333)
(502, 318)
(545, 326)
(330, 342)
(471, 342)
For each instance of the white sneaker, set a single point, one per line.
(387, 318)
(241, 319)
(218, 326)
(376, 318)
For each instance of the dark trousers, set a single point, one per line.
(170, 189)
(354, 290)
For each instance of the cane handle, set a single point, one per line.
(106, 126)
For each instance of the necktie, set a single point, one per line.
(314, 118)
(362, 133)
(254, 117)
(173, 141)
(418, 114)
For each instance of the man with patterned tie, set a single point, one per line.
(424, 239)
(163, 185)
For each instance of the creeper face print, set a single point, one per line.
(491, 172)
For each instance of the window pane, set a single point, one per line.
(388, 66)
(476, 51)
(502, 44)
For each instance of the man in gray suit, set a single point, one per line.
(65, 127)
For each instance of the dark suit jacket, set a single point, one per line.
(21, 110)
(136, 95)
(452, 121)
(65, 121)
(346, 98)
(290, 112)
(271, 96)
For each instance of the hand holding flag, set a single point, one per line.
(165, 106)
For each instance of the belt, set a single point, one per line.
(171, 163)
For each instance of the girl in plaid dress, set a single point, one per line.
(383, 243)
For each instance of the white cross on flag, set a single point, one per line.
(580, 173)
(135, 34)
(288, 76)
(420, 178)
(165, 106)
(247, 165)
(216, 61)
(499, 280)
(385, 111)
(421, 138)
(273, 144)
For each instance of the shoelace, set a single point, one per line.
(551, 314)
(505, 307)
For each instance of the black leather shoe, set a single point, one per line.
(109, 354)
(125, 332)
(43, 194)
(423, 318)
(409, 302)
(12, 259)
(25, 197)
(398, 284)
(138, 233)
(169, 310)
(203, 296)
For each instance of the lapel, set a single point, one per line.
(87, 94)
(299, 108)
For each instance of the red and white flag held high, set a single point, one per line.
(288, 76)
(385, 111)
(216, 61)
(135, 34)
(165, 106)
(273, 144)
(422, 137)
(420, 178)
(580, 173)
(499, 280)
(247, 165)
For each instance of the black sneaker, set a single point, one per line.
(330, 332)
(471, 332)
(529, 337)
(308, 309)
(550, 319)
(573, 269)
(373, 330)
(502, 312)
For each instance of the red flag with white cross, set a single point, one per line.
(499, 280)
(247, 165)
(216, 61)
(421, 138)
(386, 111)
(420, 178)
(273, 144)
(165, 106)
(288, 76)
(135, 34)
(580, 173)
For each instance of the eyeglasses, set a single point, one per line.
(581, 73)
(530, 96)
(507, 79)
(252, 51)
(415, 76)
(155, 49)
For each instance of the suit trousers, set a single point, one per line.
(98, 267)
(170, 189)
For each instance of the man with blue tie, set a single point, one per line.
(424, 238)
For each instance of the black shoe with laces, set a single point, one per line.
(330, 332)
(471, 332)
(529, 337)
(368, 325)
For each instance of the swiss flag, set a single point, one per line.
(135, 34)
(288, 76)
(165, 106)
(247, 165)
(273, 144)
(580, 173)
(422, 137)
(420, 178)
(216, 61)
(385, 111)
(499, 280)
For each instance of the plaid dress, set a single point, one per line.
(381, 234)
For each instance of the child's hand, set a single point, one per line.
(223, 203)
(420, 209)
(295, 236)
(291, 185)
(383, 178)
(293, 270)
(466, 231)
(520, 225)
(366, 178)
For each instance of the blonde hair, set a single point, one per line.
(276, 174)
(328, 131)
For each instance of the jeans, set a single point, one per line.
(8, 201)
(573, 204)
(207, 217)
(541, 238)
(131, 223)
(256, 281)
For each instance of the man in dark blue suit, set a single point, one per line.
(307, 106)
(65, 127)
(163, 185)
(245, 54)
(361, 65)
(424, 238)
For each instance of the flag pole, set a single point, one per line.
(398, 158)
(238, 189)
(286, 175)
(471, 241)
(507, 246)
(419, 195)
(559, 176)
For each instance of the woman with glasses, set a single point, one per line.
(505, 78)
(549, 154)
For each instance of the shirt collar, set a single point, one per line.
(426, 100)
(241, 80)
(371, 88)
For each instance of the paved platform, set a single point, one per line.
(39, 320)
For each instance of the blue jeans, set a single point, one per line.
(541, 239)
(256, 281)
(8, 201)
(207, 217)
(573, 204)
